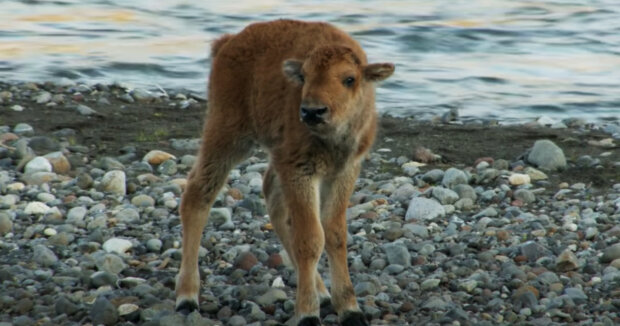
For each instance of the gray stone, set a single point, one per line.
(525, 196)
(110, 263)
(611, 253)
(421, 208)
(363, 289)
(237, 321)
(76, 214)
(417, 230)
(102, 278)
(110, 163)
(453, 177)
(397, 253)
(65, 306)
(577, 295)
(128, 215)
(271, 296)
(6, 224)
(435, 303)
(84, 181)
(168, 167)
(154, 245)
(103, 312)
(445, 196)
(465, 191)
(42, 144)
(403, 193)
(23, 129)
(547, 155)
(533, 250)
(143, 201)
(433, 176)
(220, 215)
(44, 256)
(464, 204)
(85, 110)
(38, 164)
(43, 97)
(142, 95)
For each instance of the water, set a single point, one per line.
(507, 60)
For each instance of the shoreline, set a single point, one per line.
(474, 223)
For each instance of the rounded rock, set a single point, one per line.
(117, 245)
(114, 182)
(421, 208)
(453, 177)
(38, 164)
(547, 155)
(157, 157)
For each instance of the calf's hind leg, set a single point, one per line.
(219, 152)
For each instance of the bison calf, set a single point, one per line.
(305, 93)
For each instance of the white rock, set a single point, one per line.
(114, 181)
(117, 245)
(50, 232)
(278, 282)
(16, 186)
(410, 168)
(36, 208)
(421, 208)
(518, 179)
(17, 108)
(127, 308)
(38, 164)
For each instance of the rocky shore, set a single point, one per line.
(453, 221)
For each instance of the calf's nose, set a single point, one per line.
(313, 116)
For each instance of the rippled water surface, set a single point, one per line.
(509, 60)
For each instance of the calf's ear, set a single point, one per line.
(375, 72)
(292, 71)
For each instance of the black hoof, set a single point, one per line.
(354, 318)
(310, 321)
(326, 307)
(186, 307)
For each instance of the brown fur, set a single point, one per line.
(256, 89)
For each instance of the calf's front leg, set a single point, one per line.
(306, 243)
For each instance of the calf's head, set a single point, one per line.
(336, 86)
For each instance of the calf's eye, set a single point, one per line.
(348, 82)
(301, 77)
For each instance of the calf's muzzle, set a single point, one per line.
(313, 115)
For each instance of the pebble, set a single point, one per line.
(43, 97)
(272, 296)
(38, 164)
(453, 177)
(6, 224)
(611, 253)
(114, 182)
(410, 168)
(85, 110)
(421, 208)
(445, 196)
(23, 129)
(525, 195)
(44, 256)
(117, 245)
(398, 254)
(154, 245)
(143, 201)
(36, 208)
(518, 179)
(547, 155)
(103, 312)
(60, 164)
(157, 157)
(566, 261)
